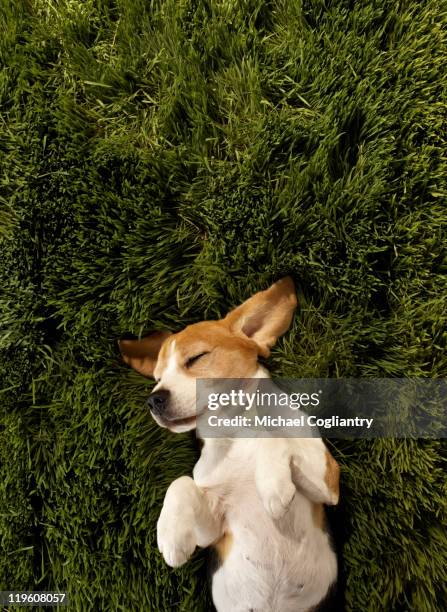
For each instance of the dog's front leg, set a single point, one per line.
(273, 475)
(285, 464)
(186, 521)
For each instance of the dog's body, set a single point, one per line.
(258, 502)
(284, 564)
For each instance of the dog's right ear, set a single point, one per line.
(142, 354)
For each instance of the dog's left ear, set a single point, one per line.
(265, 316)
(142, 354)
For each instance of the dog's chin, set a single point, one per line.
(182, 425)
(177, 425)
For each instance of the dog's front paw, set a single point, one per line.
(276, 495)
(176, 541)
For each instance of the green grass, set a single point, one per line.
(161, 161)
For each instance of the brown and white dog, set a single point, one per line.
(258, 502)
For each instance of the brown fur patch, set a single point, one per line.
(224, 546)
(318, 516)
(230, 355)
(332, 476)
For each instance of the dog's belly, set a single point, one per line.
(271, 566)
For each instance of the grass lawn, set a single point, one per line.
(161, 161)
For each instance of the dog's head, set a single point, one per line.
(228, 348)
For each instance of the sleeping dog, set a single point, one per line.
(257, 502)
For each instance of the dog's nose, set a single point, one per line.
(157, 401)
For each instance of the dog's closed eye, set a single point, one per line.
(192, 360)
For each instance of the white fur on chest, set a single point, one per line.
(272, 565)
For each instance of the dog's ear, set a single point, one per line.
(265, 316)
(142, 354)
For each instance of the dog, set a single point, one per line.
(258, 503)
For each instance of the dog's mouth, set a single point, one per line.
(177, 425)
(182, 421)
